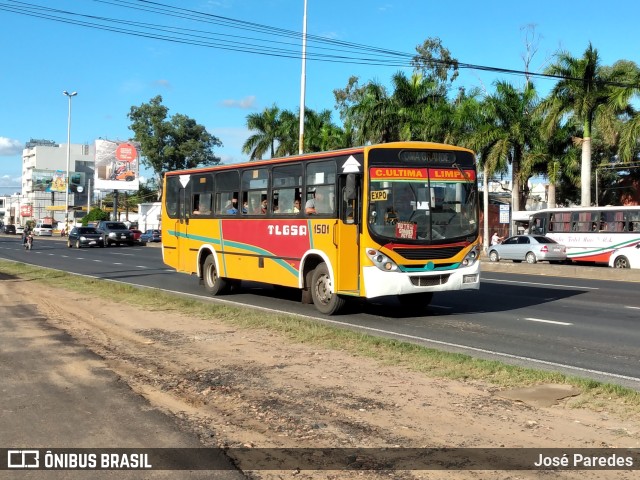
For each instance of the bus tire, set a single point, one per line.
(213, 283)
(621, 262)
(325, 300)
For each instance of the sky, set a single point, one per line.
(218, 87)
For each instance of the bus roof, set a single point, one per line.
(586, 209)
(318, 155)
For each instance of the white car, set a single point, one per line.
(627, 257)
(43, 229)
(19, 229)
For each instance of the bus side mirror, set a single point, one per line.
(350, 187)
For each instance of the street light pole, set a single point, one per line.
(66, 196)
(303, 80)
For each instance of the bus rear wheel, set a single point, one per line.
(213, 283)
(621, 262)
(324, 298)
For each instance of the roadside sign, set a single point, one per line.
(504, 213)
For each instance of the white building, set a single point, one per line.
(44, 164)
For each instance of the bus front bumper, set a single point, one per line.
(378, 283)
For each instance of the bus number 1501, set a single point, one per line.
(320, 229)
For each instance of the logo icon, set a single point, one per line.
(23, 458)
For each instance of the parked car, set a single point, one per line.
(43, 229)
(115, 233)
(84, 237)
(532, 248)
(626, 257)
(151, 236)
(9, 229)
(19, 229)
(136, 235)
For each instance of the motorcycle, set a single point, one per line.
(28, 242)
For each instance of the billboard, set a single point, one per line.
(117, 166)
(56, 181)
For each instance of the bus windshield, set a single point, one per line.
(439, 206)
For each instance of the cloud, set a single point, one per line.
(163, 83)
(10, 147)
(245, 103)
(7, 181)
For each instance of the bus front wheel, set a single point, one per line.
(213, 283)
(324, 298)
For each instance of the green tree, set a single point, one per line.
(266, 126)
(436, 63)
(510, 132)
(586, 89)
(321, 134)
(171, 144)
(95, 215)
(369, 111)
(287, 133)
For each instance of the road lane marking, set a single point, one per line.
(542, 284)
(632, 308)
(547, 321)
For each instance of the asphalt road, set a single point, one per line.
(577, 320)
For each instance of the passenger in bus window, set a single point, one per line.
(232, 206)
(262, 209)
(310, 206)
(296, 205)
(317, 203)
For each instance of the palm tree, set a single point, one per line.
(509, 134)
(585, 89)
(287, 133)
(630, 132)
(266, 126)
(374, 116)
(470, 128)
(321, 133)
(556, 158)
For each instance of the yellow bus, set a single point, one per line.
(396, 219)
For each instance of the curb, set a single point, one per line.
(591, 272)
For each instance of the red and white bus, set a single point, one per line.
(395, 219)
(590, 234)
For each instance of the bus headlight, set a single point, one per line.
(381, 261)
(470, 258)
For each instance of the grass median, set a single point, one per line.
(428, 361)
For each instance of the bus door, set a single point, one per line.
(346, 236)
(182, 229)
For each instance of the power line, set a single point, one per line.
(319, 48)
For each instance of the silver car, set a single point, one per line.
(532, 248)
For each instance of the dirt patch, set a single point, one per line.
(255, 389)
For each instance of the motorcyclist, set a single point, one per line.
(25, 234)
